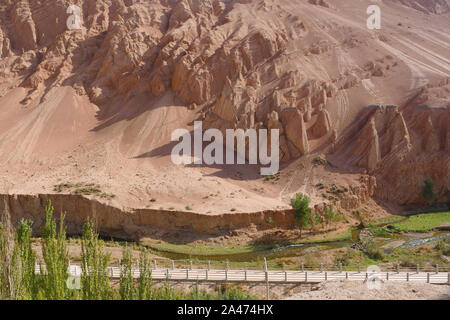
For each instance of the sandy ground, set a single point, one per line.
(348, 290)
(340, 290)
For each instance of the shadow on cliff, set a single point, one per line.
(229, 171)
(119, 111)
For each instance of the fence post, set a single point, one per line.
(306, 276)
(187, 274)
(437, 268)
(346, 275)
(326, 276)
(407, 276)
(285, 276)
(112, 272)
(267, 278)
(428, 277)
(209, 265)
(228, 265)
(418, 269)
(340, 267)
(387, 276)
(206, 274)
(173, 265)
(448, 278)
(303, 267)
(398, 267)
(359, 268)
(190, 264)
(245, 274)
(321, 267)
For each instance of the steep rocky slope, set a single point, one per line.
(99, 104)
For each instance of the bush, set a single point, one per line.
(332, 216)
(428, 190)
(371, 250)
(408, 263)
(443, 247)
(348, 257)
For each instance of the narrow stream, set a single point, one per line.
(387, 243)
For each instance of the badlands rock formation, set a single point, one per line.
(99, 104)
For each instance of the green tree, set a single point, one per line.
(126, 288)
(56, 257)
(317, 219)
(145, 291)
(428, 190)
(329, 215)
(94, 265)
(302, 212)
(27, 258)
(10, 264)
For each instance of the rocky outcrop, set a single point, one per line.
(138, 223)
(236, 77)
(237, 64)
(295, 130)
(403, 148)
(323, 124)
(23, 25)
(381, 132)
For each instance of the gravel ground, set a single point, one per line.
(350, 290)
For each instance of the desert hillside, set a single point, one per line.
(364, 115)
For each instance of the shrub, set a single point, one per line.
(428, 190)
(371, 250)
(317, 219)
(348, 257)
(332, 216)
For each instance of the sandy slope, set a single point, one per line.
(53, 134)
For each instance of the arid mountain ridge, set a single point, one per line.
(99, 104)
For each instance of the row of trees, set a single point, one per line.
(307, 219)
(19, 281)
